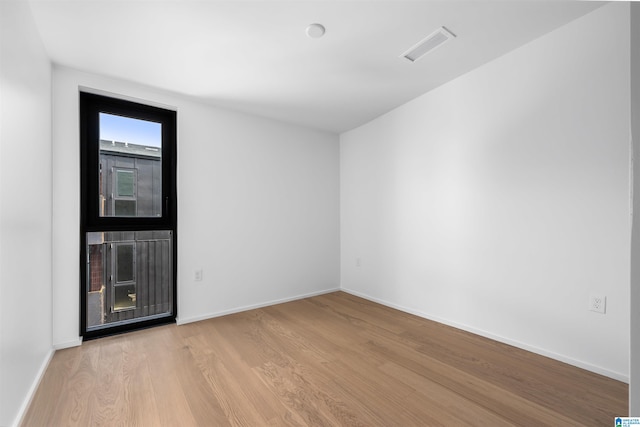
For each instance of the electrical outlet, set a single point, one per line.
(197, 275)
(358, 262)
(597, 303)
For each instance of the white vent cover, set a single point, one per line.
(431, 42)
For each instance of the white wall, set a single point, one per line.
(500, 200)
(634, 365)
(257, 206)
(25, 209)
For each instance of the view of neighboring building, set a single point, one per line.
(128, 271)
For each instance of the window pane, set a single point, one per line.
(125, 263)
(129, 276)
(124, 183)
(130, 159)
(124, 297)
(124, 207)
(96, 279)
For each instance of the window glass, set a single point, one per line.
(124, 207)
(125, 263)
(124, 183)
(129, 276)
(124, 297)
(130, 159)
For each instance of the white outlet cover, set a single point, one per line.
(598, 303)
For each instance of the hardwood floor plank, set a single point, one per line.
(252, 389)
(238, 407)
(540, 379)
(204, 405)
(106, 398)
(272, 357)
(330, 360)
(301, 396)
(172, 403)
(140, 402)
(452, 406)
(518, 410)
(49, 392)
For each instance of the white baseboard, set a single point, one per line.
(562, 358)
(68, 344)
(32, 390)
(185, 320)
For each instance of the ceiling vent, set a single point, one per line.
(431, 42)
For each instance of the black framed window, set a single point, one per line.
(128, 215)
(110, 193)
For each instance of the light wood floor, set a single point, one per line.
(331, 360)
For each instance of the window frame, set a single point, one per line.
(91, 105)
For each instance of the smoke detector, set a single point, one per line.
(428, 44)
(315, 31)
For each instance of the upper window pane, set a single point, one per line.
(130, 156)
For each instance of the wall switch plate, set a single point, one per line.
(598, 303)
(197, 275)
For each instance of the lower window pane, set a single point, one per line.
(129, 277)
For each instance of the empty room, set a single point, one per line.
(319, 213)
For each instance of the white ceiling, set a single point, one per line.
(254, 56)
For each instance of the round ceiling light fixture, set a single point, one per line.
(315, 31)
